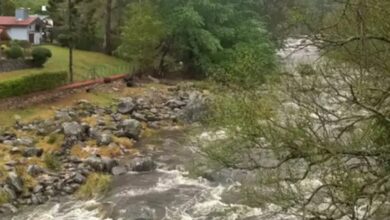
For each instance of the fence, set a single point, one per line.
(101, 71)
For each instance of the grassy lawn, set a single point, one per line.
(86, 65)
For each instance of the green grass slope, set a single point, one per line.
(86, 65)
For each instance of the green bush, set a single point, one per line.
(40, 55)
(52, 162)
(22, 43)
(14, 52)
(95, 185)
(246, 65)
(32, 83)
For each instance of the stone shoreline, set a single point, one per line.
(83, 139)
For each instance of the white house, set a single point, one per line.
(22, 26)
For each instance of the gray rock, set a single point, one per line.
(95, 162)
(93, 132)
(126, 106)
(63, 116)
(34, 170)
(25, 141)
(68, 189)
(50, 192)
(131, 128)
(32, 152)
(16, 150)
(79, 178)
(11, 193)
(118, 170)
(104, 139)
(38, 188)
(195, 109)
(174, 103)
(37, 199)
(143, 164)
(109, 163)
(139, 116)
(15, 182)
(72, 129)
(8, 208)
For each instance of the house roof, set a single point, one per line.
(8, 21)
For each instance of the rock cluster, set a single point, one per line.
(79, 125)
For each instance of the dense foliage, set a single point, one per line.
(14, 51)
(200, 37)
(40, 56)
(318, 138)
(32, 83)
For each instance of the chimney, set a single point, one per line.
(21, 14)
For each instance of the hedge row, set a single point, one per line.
(32, 83)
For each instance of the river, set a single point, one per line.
(170, 192)
(166, 193)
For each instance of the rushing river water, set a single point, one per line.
(168, 193)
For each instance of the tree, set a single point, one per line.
(7, 8)
(199, 33)
(141, 35)
(33, 5)
(107, 39)
(319, 142)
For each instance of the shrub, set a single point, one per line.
(14, 52)
(32, 83)
(4, 197)
(52, 162)
(22, 43)
(96, 184)
(246, 65)
(40, 55)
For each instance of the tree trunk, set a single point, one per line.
(70, 40)
(107, 39)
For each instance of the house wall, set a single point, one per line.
(22, 33)
(18, 33)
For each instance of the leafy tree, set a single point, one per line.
(33, 5)
(141, 35)
(199, 33)
(319, 141)
(7, 8)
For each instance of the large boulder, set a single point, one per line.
(175, 103)
(95, 162)
(35, 170)
(126, 106)
(14, 181)
(130, 128)
(109, 163)
(99, 163)
(104, 139)
(8, 208)
(195, 109)
(32, 152)
(118, 170)
(143, 164)
(24, 141)
(72, 129)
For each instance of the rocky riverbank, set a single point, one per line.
(50, 157)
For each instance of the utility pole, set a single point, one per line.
(70, 40)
